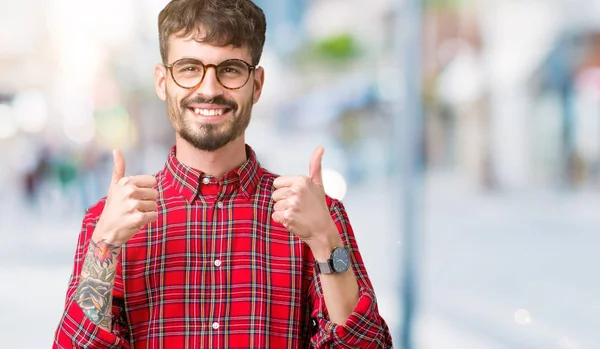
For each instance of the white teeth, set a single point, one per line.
(209, 112)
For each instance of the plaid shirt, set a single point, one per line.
(215, 271)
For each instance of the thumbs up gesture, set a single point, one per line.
(130, 205)
(301, 207)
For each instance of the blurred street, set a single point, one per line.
(486, 257)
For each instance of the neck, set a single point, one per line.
(213, 163)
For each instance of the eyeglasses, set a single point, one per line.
(232, 74)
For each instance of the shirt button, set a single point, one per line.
(215, 325)
(206, 180)
(217, 263)
(220, 204)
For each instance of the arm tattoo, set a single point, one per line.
(103, 253)
(95, 290)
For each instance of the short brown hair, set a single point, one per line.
(224, 22)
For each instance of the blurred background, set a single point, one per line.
(505, 184)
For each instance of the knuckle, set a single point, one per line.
(293, 201)
(287, 215)
(129, 190)
(132, 206)
(295, 196)
(123, 181)
(138, 217)
(151, 217)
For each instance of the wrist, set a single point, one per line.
(322, 247)
(102, 234)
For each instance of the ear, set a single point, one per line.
(259, 81)
(160, 81)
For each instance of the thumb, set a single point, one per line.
(314, 168)
(118, 167)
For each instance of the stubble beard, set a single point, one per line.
(209, 136)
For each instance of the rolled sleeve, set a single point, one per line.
(364, 328)
(77, 331)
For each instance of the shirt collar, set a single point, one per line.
(187, 180)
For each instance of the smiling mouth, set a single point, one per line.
(210, 112)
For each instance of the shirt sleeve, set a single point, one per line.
(75, 330)
(365, 328)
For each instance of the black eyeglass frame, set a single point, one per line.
(250, 67)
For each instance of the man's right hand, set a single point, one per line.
(130, 205)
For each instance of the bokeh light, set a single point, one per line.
(31, 111)
(522, 317)
(8, 123)
(334, 183)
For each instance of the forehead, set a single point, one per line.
(190, 47)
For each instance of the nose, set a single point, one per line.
(210, 86)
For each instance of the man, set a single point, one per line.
(214, 251)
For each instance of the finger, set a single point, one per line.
(145, 194)
(150, 217)
(146, 206)
(314, 167)
(118, 167)
(282, 205)
(143, 181)
(282, 194)
(146, 217)
(286, 181)
(278, 217)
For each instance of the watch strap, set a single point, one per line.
(324, 267)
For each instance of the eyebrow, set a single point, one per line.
(188, 59)
(191, 59)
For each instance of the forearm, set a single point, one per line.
(94, 293)
(344, 304)
(340, 291)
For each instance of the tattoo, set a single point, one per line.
(103, 252)
(95, 290)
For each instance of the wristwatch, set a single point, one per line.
(338, 263)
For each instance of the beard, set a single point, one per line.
(209, 136)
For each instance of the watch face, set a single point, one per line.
(340, 260)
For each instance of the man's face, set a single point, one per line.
(208, 116)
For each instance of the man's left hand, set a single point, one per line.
(301, 207)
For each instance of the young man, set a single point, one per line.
(214, 251)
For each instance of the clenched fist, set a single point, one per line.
(130, 205)
(300, 206)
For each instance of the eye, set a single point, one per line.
(230, 70)
(190, 69)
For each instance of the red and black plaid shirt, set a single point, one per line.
(215, 271)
